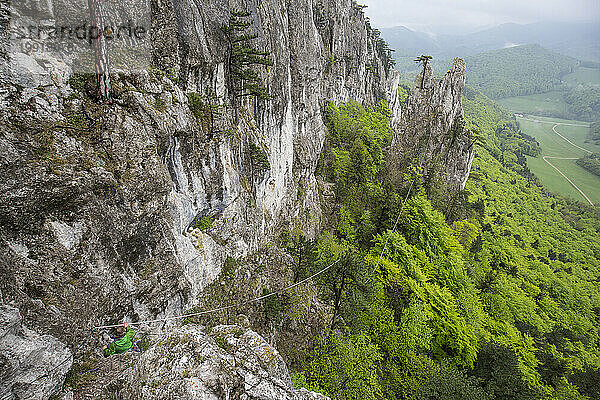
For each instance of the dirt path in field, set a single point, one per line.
(552, 122)
(571, 143)
(565, 176)
(545, 158)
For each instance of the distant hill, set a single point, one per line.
(516, 71)
(402, 38)
(578, 40)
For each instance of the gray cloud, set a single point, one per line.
(470, 14)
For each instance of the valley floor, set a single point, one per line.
(550, 102)
(562, 143)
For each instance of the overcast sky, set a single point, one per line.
(470, 14)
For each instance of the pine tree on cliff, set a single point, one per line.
(424, 60)
(244, 58)
(100, 51)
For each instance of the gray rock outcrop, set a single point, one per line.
(431, 129)
(227, 363)
(129, 209)
(32, 366)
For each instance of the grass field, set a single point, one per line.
(555, 146)
(536, 103)
(552, 103)
(583, 76)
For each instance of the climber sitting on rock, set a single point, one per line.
(122, 342)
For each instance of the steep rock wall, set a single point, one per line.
(229, 362)
(31, 366)
(128, 209)
(431, 132)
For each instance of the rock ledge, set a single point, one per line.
(229, 362)
(32, 366)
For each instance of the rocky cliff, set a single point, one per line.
(431, 131)
(230, 362)
(127, 209)
(32, 366)
(191, 362)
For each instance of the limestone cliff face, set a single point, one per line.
(229, 362)
(128, 209)
(32, 366)
(431, 129)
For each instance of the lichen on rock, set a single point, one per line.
(32, 366)
(431, 130)
(228, 362)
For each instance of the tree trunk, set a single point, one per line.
(337, 302)
(423, 77)
(100, 50)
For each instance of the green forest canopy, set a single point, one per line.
(583, 102)
(497, 299)
(595, 132)
(517, 71)
(591, 162)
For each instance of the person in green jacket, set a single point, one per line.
(122, 343)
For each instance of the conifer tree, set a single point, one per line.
(244, 58)
(423, 60)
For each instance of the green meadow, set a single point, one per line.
(583, 76)
(555, 146)
(550, 102)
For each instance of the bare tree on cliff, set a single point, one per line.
(100, 50)
(424, 60)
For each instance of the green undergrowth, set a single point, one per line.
(203, 223)
(81, 373)
(498, 300)
(258, 157)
